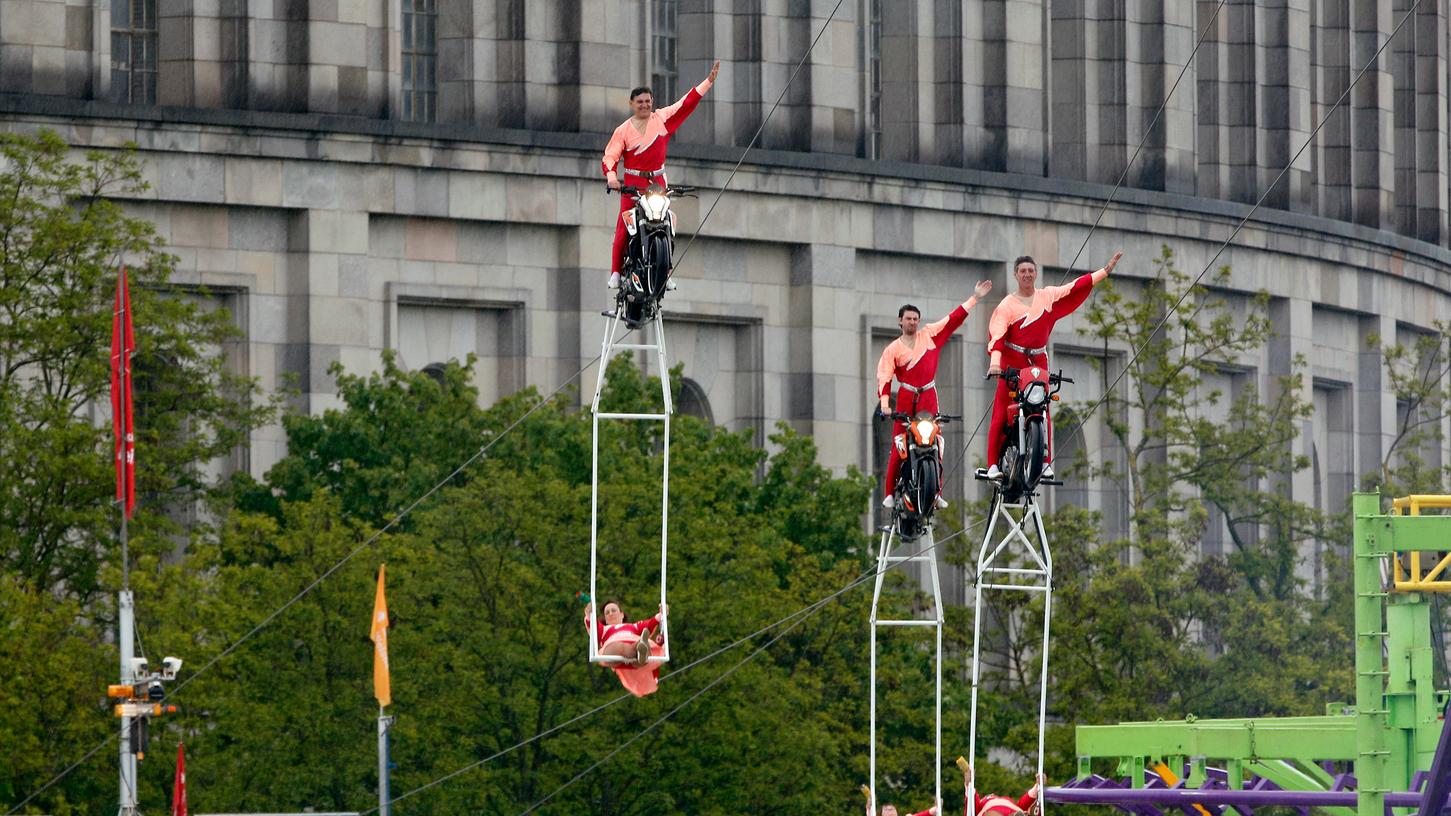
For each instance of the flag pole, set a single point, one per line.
(126, 606)
(382, 687)
(384, 798)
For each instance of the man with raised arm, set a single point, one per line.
(1017, 337)
(912, 359)
(640, 143)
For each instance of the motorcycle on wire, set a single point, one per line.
(919, 478)
(1025, 433)
(649, 252)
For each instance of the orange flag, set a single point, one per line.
(382, 688)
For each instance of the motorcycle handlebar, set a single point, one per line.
(1013, 372)
(673, 192)
(941, 418)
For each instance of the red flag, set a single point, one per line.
(123, 345)
(178, 789)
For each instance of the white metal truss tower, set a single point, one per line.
(608, 348)
(1008, 526)
(921, 550)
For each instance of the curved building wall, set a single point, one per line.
(924, 146)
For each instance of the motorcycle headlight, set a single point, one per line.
(925, 429)
(1036, 394)
(655, 205)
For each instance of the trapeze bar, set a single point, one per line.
(640, 346)
(1015, 586)
(905, 623)
(614, 415)
(604, 658)
(1015, 570)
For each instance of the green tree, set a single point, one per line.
(62, 240)
(1146, 625)
(488, 647)
(1419, 374)
(1182, 461)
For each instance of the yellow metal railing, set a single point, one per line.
(1413, 578)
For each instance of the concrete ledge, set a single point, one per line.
(588, 145)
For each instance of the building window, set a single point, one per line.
(693, 401)
(420, 60)
(664, 35)
(133, 51)
(873, 146)
(438, 372)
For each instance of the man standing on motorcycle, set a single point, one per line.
(912, 359)
(1018, 338)
(641, 141)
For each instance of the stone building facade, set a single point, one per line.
(350, 176)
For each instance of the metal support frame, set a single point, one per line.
(1393, 734)
(608, 348)
(126, 639)
(993, 575)
(924, 552)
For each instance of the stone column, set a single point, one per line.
(1168, 159)
(1375, 403)
(1088, 94)
(833, 74)
(1371, 104)
(1432, 144)
(552, 35)
(901, 104)
(825, 393)
(1210, 88)
(945, 82)
(1418, 68)
(337, 56)
(1293, 319)
(1240, 110)
(1330, 163)
(1005, 43)
(1282, 54)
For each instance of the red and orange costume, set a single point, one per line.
(644, 155)
(638, 680)
(1018, 338)
(993, 805)
(916, 371)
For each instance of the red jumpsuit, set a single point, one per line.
(638, 680)
(992, 805)
(644, 153)
(1027, 326)
(916, 370)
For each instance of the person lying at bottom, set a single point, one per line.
(633, 643)
(990, 804)
(889, 809)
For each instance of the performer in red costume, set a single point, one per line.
(912, 359)
(1018, 338)
(994, 805)
(631, 641)
(889, 809)
(641, 141)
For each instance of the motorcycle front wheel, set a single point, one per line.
(926, 473)
(658, 266)
(1035, 449)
